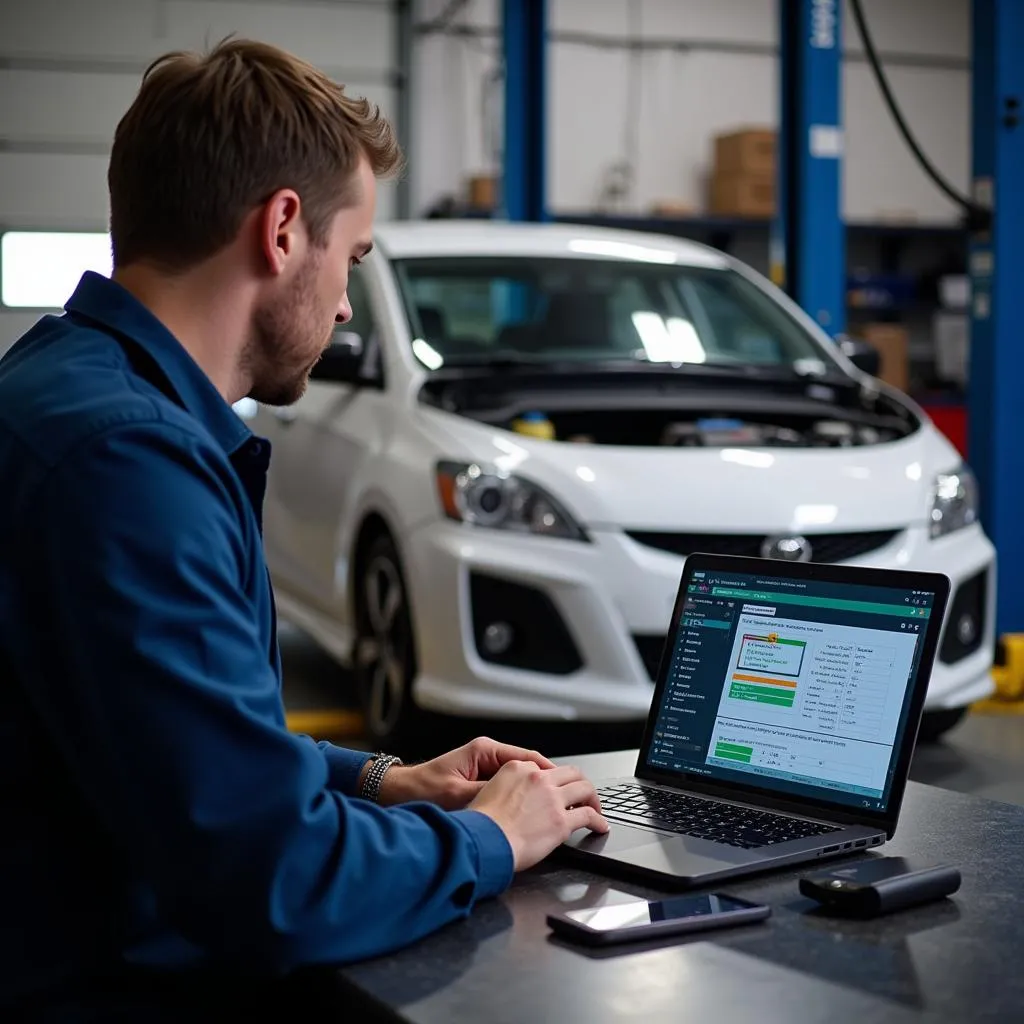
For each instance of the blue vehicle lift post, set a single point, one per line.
(524, 29)
(808, 246)
(996, 388)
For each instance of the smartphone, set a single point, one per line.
(646, 919)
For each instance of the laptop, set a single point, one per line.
(784, 718)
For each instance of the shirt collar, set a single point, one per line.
(107, 303)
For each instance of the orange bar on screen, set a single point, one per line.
(737, 678)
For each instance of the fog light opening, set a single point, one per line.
(497, 638)
(967, 629)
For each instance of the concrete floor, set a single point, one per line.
(984, 755)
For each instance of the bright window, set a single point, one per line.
(40, 269)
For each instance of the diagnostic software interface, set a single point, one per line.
(798, 686)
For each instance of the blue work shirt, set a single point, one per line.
(156, 810)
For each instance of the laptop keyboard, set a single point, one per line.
(704, 819)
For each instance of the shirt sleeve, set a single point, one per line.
(344, 766)
(162, 700)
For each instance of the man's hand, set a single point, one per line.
(454, 779)
(539, 808)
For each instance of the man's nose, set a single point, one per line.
(344, 313)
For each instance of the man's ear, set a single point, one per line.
(280, 229)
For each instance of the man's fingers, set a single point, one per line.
(510, 753)
(564, 776)
(576, 794)
(462, 792)
(587, 817)
(492, 755)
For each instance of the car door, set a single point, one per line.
(319, 443)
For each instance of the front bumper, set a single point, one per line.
(615, 598)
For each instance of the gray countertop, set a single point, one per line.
(956, 960)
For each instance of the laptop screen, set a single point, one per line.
(798, 686)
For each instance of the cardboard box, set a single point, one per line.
(751, 151)
(482, 192)
(892, 342)
(743, 195)
(672, 208)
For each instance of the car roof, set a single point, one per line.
(403, 239)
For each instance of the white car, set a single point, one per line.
(484, 500)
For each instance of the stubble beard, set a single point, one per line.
(287, 342)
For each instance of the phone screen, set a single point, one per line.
(642, 912)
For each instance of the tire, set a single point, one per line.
(385, 651)
(936, 723)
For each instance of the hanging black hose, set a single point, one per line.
(979, 218)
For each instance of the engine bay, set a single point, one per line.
(645, 429)
(791, 414)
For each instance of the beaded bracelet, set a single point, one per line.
(378, 767)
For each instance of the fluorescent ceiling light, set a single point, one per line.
(40, 269)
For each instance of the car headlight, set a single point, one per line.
(954, 502)
(484, 496)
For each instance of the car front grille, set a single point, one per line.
(825, 547)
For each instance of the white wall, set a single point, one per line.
(70, 68)
(684, 99)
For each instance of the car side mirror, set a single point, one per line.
(342, 361)
(864, 356)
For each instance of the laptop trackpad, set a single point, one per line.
(682, 858)
(621, 837)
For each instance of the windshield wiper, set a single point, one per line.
(509, 361)
(506, 359)
(497, 360)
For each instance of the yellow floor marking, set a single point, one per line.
(328, 722)
(993, 706)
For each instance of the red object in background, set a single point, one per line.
(951, 420)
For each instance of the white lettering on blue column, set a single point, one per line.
(823, 24)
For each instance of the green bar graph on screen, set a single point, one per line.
(733, 751)
(776, 695)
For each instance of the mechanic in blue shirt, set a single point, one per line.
(156, 811)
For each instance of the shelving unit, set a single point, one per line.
(720, 232)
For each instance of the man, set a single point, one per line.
(157, 813)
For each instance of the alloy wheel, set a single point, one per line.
(383, 649)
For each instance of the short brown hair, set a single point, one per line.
(210, 137)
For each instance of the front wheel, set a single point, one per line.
(385, 653)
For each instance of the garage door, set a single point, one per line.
(68, 71)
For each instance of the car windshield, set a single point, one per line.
(479, 310)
